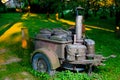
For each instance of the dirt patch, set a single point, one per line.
(20, 76)
(2, 51)
(11, 60)
(2, 68)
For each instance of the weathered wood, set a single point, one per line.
(25, 38)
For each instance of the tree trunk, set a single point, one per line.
(117, 18)
(87, 9)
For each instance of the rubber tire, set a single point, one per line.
(35, 60)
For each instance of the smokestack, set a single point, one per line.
(79, 20)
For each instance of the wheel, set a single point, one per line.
(90, 69)
(41, 63)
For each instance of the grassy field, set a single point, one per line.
(15, 61)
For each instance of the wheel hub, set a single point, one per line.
(41, 66)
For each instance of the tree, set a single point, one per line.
(117, 5)
(2, 5)
(43, 6)
(87, 6)
(117, 16)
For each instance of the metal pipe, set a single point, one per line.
(79, 20)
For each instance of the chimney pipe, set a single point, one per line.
(79, 20)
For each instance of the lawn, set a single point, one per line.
(15, 61)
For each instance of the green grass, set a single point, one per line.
(106, 44)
